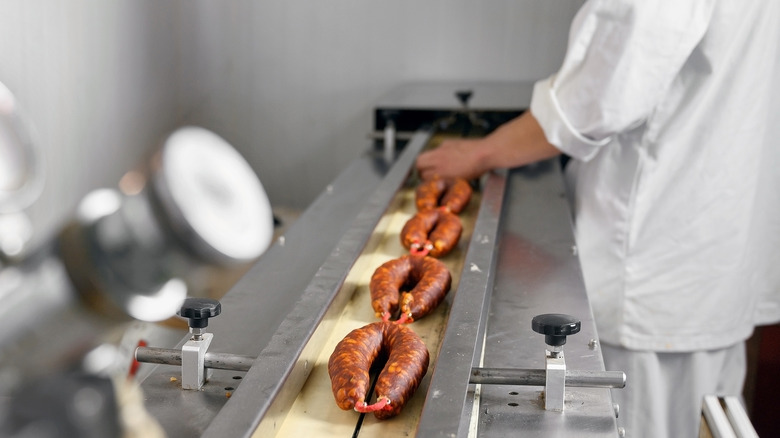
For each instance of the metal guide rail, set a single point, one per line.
(522, 262)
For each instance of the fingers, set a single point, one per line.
(426, 165)
(452, 159)
(429, 172)
(440, 161)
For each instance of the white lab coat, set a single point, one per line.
(664, 107)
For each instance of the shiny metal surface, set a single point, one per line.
(170, 356)
(534, 271)
(554, 384)
(536, 377)
(739, 418)
(193, 370)
(449, 400)
(538, 272)
(725, 417)
(21, 163)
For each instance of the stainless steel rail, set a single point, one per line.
(273, 382)
(461, 349)
(522, 262)
(171, 356)
(536, 377)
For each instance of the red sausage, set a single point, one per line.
(431, 232)
(423, 282)
(407, 363)
(451, 194)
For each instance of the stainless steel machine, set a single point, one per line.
(514, 348)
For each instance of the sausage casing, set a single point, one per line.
(457, 196)
(353, 357)
(423, 281)
(452, 194)
(439, 228)
(429, 192)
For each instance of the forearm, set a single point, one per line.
(518, 142)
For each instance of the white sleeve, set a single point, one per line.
(622, 57)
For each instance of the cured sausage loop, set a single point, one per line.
(349, 364)
(451, 194)
(431, 232)
(415, 285)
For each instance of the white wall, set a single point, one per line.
(96, 79)
(291, 83)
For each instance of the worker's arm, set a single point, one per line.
(519, 141)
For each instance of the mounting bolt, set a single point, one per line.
(198, 311)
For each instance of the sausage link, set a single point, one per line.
(406, 366)
(444, 237)
(438, 229)
(385, 283)
(429, 192)
(415, 232)
(452, 194)
(457, 196)
(424, 282)
(349, 364)
(429, 291)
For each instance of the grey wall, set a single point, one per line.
(290, 83)
(97, 80)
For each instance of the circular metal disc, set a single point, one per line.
(212, 194)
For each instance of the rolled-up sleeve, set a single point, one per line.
(622, 57)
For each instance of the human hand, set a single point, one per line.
(452, 158)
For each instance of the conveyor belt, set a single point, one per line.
(315, 411)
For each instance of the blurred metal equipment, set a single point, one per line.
(211, 198)
(64, 405)
(125, 255)
(21, 176)
(725, 417)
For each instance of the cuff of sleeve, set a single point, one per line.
(557, 128)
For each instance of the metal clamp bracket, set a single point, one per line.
(554, 377)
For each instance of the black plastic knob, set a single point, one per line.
(199, 310)
(464, 96)
(555, 327)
